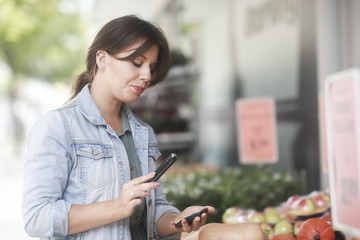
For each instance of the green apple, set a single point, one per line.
(267, 229)
(272, 217)
(230, 215)
(270, 209)
(283, 227)
(257, 217)
(296, 227)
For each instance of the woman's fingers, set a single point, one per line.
(132, 194)
(136, 201)
(210, 209)
(139, 187)
(203, 219)
(185, 226)
(141, 183)
(143, 179)
(197, 222)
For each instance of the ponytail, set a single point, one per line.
(80, 82)
(87, 76)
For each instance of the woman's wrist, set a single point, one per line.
(164, 227)
(117, 214)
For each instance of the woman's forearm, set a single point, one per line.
(85, 217)
(163, 225)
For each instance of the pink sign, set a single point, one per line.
(342, 111)
(257, 131)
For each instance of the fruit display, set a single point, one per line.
(315, 228)
(306, 217)
(283, 227)
(313, 205)
(282, 237)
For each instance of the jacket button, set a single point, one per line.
(150, 202)
(138, 218)
(132, 168)
(95, 151)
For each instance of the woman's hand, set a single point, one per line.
(131, 195)
(197, 222)
(83, 217)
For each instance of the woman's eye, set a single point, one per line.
(136, 64)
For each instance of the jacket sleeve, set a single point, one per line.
(161, 204)
(46, 171)
(162, 207)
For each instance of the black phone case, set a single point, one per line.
(191, 217)
(163, 167)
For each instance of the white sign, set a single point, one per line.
(342, 103)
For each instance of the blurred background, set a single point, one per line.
(222, 51)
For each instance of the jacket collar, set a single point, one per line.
(90, 111)
(88, 107)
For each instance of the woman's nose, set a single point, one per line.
(145, 74)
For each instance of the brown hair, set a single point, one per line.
(119, 34)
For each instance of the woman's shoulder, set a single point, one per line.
(50, 124)
(50, 117)
(55, 115)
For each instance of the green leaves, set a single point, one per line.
(38, 39)
(246, 187)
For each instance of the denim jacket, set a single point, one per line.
(75, 157)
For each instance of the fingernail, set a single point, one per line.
(156, 184)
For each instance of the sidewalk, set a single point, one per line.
(11, 224)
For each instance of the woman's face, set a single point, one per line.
(126, 80)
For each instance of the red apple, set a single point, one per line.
(283, 213)
(321, 201)
(304, 205)
(283, 227)
(290, 201)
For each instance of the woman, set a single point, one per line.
(88, 161)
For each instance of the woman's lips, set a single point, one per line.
(139, 89)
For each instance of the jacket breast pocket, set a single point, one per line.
(96, 164)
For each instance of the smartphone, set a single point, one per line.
(191, 217)
(163, 167)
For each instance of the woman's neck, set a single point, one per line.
(108, 107)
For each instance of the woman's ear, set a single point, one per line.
(101, 59)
